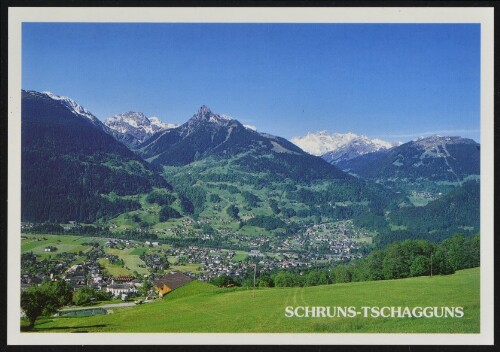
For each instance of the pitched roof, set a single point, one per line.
(124, 278)
(119, 286)
(173, 280)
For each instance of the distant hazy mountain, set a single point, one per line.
(432, 158)
(133, 128)
(69, 163)
(338, 147)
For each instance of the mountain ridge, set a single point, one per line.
(70, 164)
(207, 134)
(339, 146)
(436, 158)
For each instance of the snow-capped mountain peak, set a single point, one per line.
(133, 128)
(319, 143)
(76, 108)
(339, 146)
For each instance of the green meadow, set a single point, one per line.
(64, 244)
(200, 307)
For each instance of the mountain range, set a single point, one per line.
(76, 168)
(207, 134)
(435, 158)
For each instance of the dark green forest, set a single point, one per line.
(409, 258)
(68, 164)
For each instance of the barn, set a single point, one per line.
(170, 282)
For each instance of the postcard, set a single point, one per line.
(250, 176)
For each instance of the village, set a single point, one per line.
(98, 263)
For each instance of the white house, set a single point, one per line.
(119, 289)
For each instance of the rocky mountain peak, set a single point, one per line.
(205, 117)
(133, 128)
(204, 112)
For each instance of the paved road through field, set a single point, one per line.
(116, 305)
(111, 305)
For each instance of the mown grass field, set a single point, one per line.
(113, 269)
(64, 243)
(200, 307)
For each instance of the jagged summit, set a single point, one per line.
(204, 114)
(132, 117)
(133, 128)
(205, 118)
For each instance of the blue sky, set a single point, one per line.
(388, 81)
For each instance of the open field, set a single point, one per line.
(67, 243)
(240, 256)
(63, 243)
(193, 267)
(200, 307)
(114, 269)
(133, 262)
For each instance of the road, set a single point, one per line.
(111, 305)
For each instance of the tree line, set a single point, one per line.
(410, 258)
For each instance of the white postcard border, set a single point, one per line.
(17, 16)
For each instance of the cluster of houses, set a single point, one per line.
(34, 271)
(338, 238)
(118, 243)
(341, 239)
(330, 242)
(89, 274)
(156, 261)
(429, 196)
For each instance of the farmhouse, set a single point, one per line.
(170, 282)
(118, 289)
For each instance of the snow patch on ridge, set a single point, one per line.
(76, 108)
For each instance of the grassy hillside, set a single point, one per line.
(199, 307)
